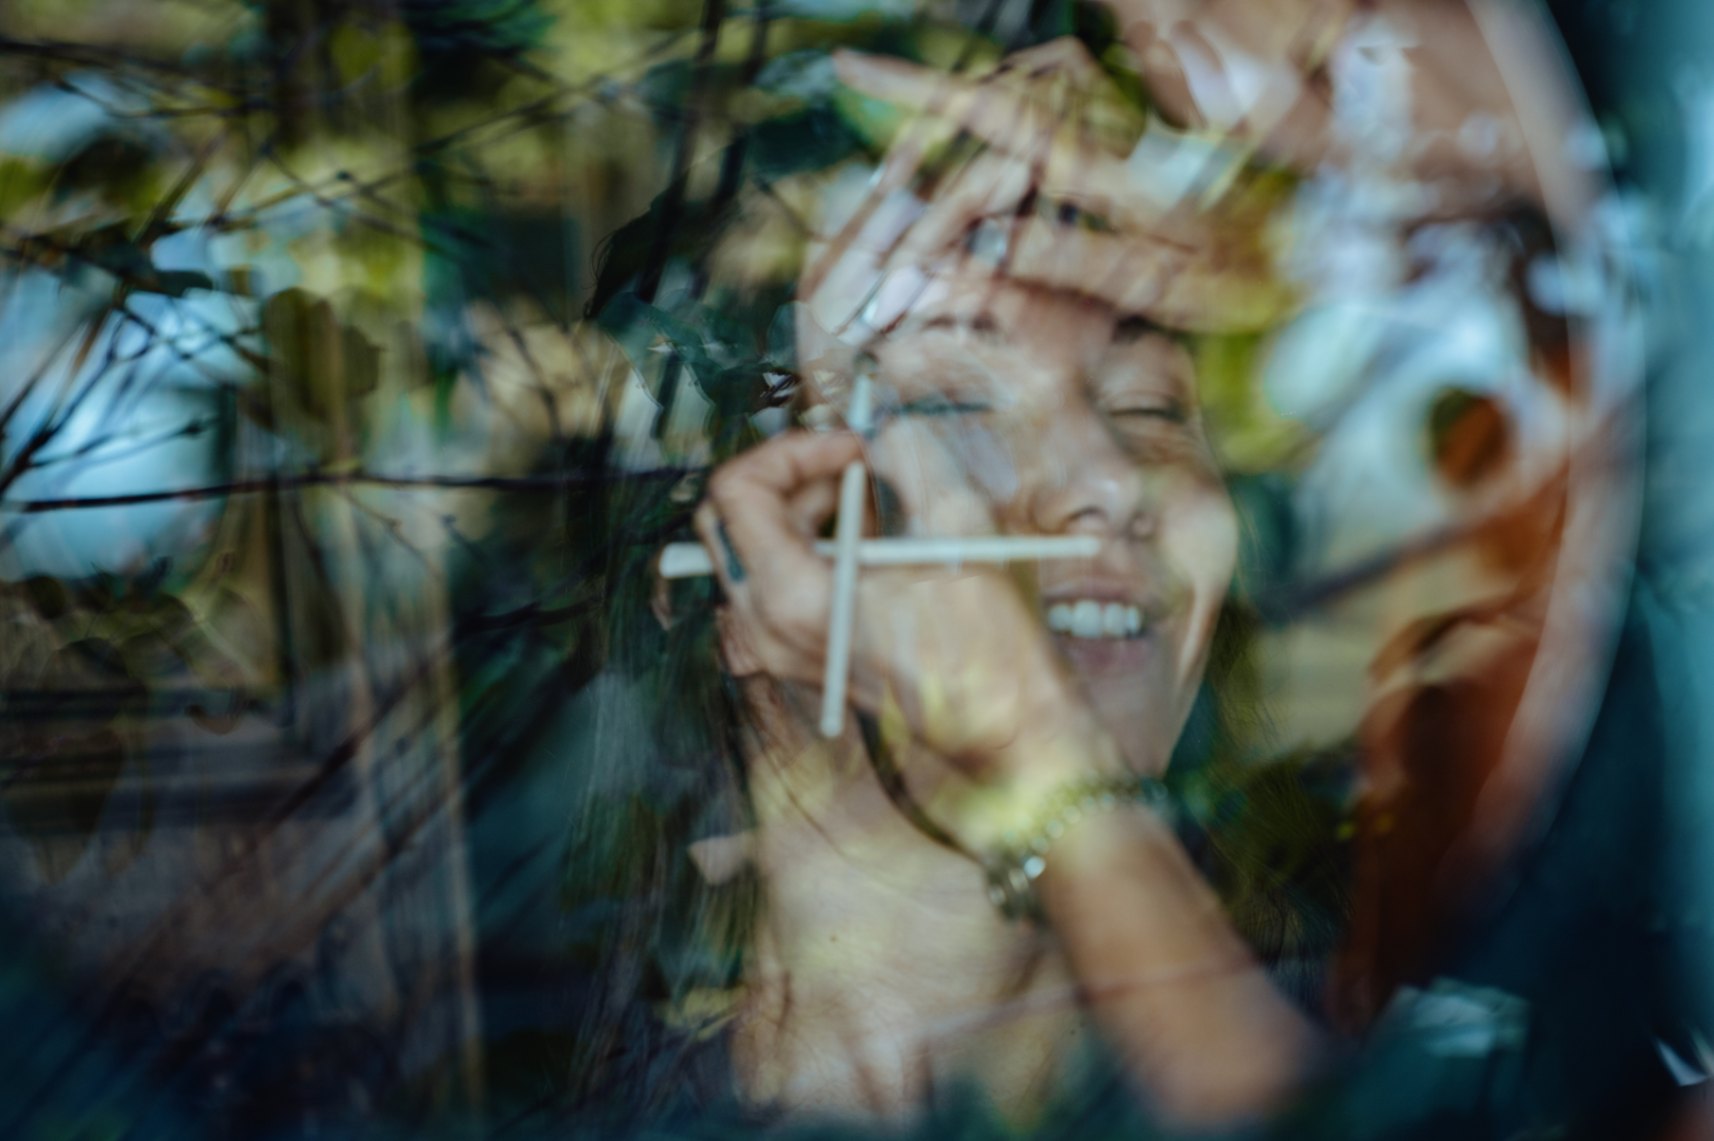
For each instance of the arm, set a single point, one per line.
(1186, 1006)
(1180, 997)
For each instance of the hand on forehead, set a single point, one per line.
(1037, 199)
(1184, 231)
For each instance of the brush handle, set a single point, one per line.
(690, 560)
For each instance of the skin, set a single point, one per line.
(880, 970)
(1071, 421)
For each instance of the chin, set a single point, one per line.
(1142, 719)
(1133, 685)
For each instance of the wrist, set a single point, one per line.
(1067, 750)
(1021, 857)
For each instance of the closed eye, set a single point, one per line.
(941, 406)
(1171, 412)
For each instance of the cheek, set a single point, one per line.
(989, 455)
(944, 473)
(1200, 540)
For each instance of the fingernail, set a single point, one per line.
(734, 565)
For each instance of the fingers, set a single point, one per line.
(811, 506)
(1032, 149)
(942, 649)
(873, 277)
(1060, 144)
(1195, 290)
(778, 469)
(1165, 77)
(1000, 117)
(1236, 36)
(757, 499)
(758, 522)
(987, 186)
(847, 271)
(1162, 262)
(1265, 71)
(1210, 287)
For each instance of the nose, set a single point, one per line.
(1084, 481)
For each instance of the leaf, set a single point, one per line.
(808, 140)
(844, 11)
(802, 74)
(328, 365)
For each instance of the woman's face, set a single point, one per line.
(1072, 421)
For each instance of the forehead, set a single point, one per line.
(1045, 323)
(996, 333)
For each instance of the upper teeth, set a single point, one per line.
(1087, 618)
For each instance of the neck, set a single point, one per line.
(881, 972)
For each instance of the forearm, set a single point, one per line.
(1178, 994)
(1181, 999)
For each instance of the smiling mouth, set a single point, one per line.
(1089, 620)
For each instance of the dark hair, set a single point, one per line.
(656, 943)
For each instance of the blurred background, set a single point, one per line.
(309, 466)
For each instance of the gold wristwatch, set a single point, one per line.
(1013, 868)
